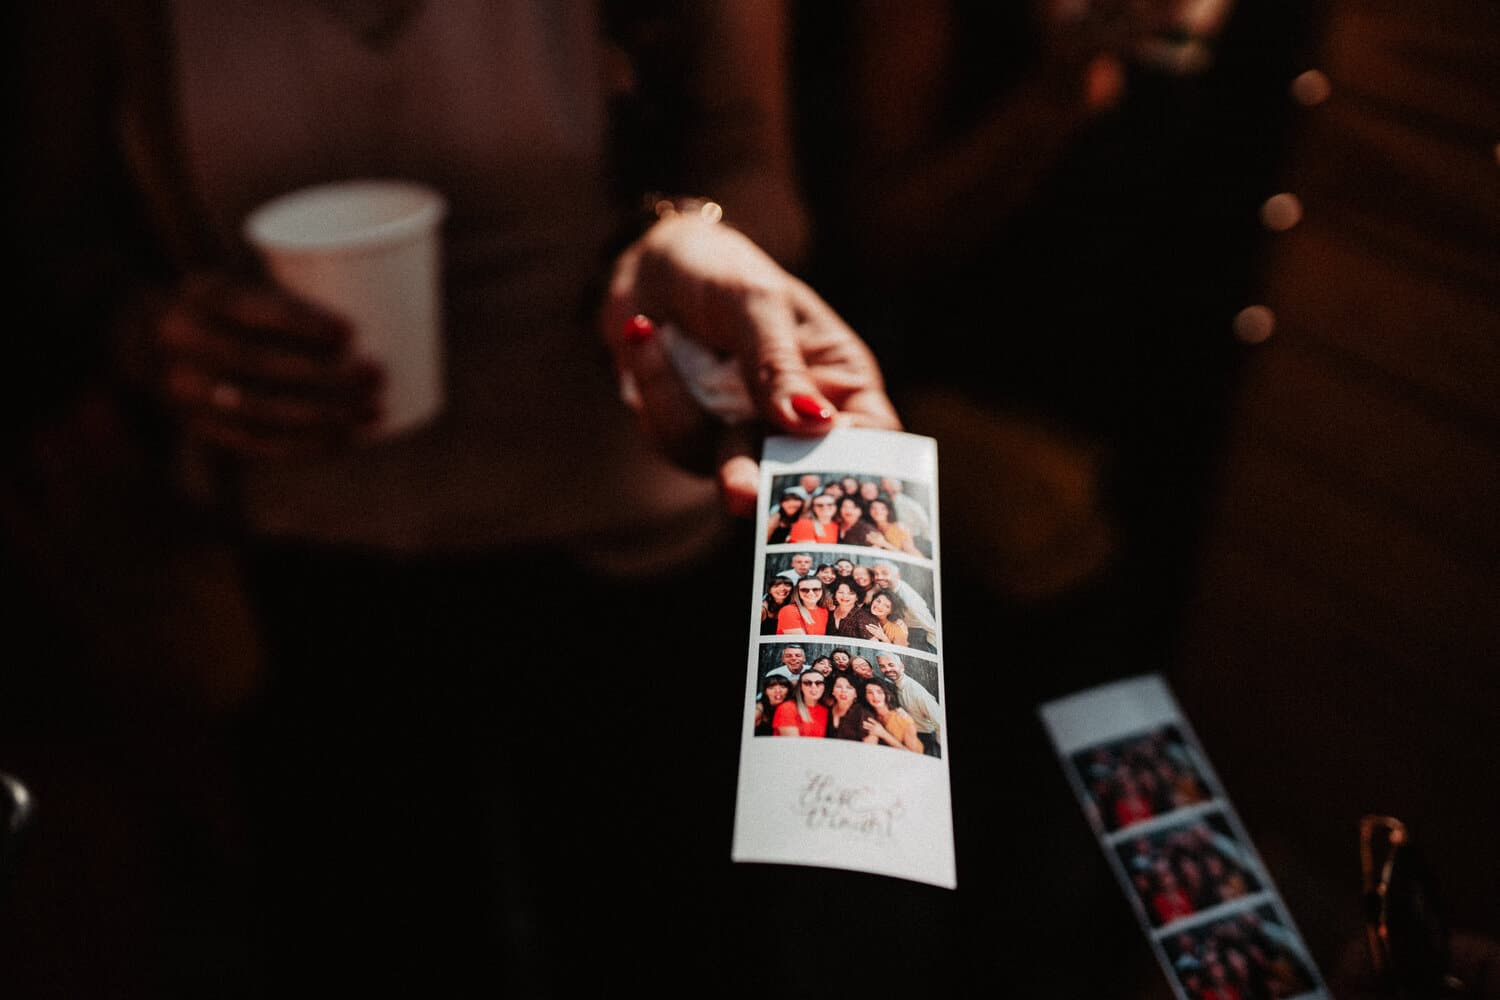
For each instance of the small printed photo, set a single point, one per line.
(850, 594)
(827, 691)
(1132, 780)
(841, 508)
(1181, 870)
(1252, 955)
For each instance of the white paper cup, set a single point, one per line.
(368, 251)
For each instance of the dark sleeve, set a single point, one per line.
(87, 242)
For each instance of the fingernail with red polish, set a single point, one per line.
(639, 329)
(809, 408)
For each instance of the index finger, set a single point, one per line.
(772, 361)
(842, 365)
(267, 310)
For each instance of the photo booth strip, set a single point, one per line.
(1109, 739)
(843, 803)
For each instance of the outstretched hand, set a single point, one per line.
(805, 369)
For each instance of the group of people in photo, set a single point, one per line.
(848, 599)
(814, 509)
(1134, 780)
(1188, 870)
(1250, 956)
(843, 695)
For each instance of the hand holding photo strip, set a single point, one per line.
(843, 754)
(1200, 891)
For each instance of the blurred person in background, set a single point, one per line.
(383, 758)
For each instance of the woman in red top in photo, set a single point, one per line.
(821, 528)
(856, 529)
(1169, 902)
(1131, 806)
(846, 716)
(778, 596)
(804, 713)
(773, 695)
(806, 614)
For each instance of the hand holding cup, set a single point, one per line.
(256, 371)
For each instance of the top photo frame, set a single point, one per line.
(839, 507)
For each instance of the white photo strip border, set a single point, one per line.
(845, 803)
(1114, 739)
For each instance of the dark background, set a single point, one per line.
(923, 669)
(1301, 534)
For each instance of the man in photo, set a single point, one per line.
(793, 658)
(801, 568)
(775, 690)
(917, 700)
(908, 511)
(918, 614)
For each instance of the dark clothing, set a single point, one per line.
(768, 625)
(851, 726)
(853, 627)
(863, 533)
(767, 727)
(413, 781)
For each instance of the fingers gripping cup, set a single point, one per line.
(368, 251)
